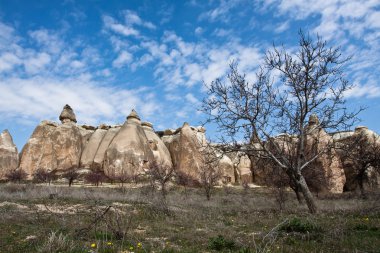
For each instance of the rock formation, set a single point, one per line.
(8, 153)
(67, 115)
(38, 151)
(185, 149)
(129, 152)
(90, 149)
(326, 173)
(101, 151)
(53, 147)
(160, 151)
(359, 153)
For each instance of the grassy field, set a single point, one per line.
(56, 218)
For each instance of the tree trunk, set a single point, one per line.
(299, 198)
(308, 196)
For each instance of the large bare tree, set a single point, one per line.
(289, 88)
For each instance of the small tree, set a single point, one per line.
(289, 88)
(43, 176)
(160, 173)
(16, 175)
(71, 175)
(209, 170)
(94, 177)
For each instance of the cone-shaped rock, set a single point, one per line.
(8, 153)
(100, 153)
(67, 115)
(160, 151)
(90, 149)
(129, 151)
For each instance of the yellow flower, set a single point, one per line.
(131, 248)
(93, 245)
(109, 243)
(366, 219)
(139, 245)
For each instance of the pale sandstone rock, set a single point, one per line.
(160, 151)
(129, 151)
(326, 173)
(372, 179)
(38, 151)
(8, 153)
(100, 153)
(226, 167)
(67, 146)
(185, 149)
(90, 149)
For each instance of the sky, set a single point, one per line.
(105, 57)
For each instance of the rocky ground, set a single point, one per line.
(57, 218)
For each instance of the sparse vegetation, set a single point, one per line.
(106, 219)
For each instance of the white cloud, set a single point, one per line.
(43, 98)
(36, 62)
(198, 30)
(132, 18)
(123, 59)
(125, 30)
(8, 61)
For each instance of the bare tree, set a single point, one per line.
(209, 170)
(289, 88)
(95, 178)
(160, 173)
(44, 176)
(71, 175)
(16, 175)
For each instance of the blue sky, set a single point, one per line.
(106, 57)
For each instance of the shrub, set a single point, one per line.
(16, 175)
(220, 243)
(300, 226)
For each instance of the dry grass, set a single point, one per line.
(234, 220)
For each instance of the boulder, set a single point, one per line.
(129, 152)
(90, 149)
(100, 153)
(8, 153)
(160, 151)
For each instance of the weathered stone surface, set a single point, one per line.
(326, 173)
(371, 143)
(184, 147)
(242, 164)
(38, 151)
(67, 147)
(226, 167)
(67, 115)
(160, 151)
(101, 152)
(129, 151)
(90, 149)
(8, 153)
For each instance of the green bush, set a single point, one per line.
(219, 243)
(300, 226)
